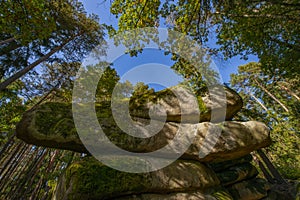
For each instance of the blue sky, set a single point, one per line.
(124, 63)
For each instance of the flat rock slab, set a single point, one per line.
(51, 125)
(178, 104)
(236, 139)
(89, 179)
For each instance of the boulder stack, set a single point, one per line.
(223, 172)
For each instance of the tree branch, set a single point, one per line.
(22, 72)
(7, 40)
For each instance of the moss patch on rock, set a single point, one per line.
(89, 179)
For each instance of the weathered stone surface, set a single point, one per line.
(172, 108)
(237, 139)
(225, 146)
(89, 179)
(253, 189)
(237, 173)
(221, 166)
(51, 125)
(289, 190)
(194, 195)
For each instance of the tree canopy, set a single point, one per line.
(268, 29)
(43, 43)
(71, 35)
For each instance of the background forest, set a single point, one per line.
(42, 44)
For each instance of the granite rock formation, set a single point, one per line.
(225, 172)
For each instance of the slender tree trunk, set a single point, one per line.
(36, 191)
(7, 144)
(271, 95)
(290, 92)
(29, 175)
(265, 172)
(270, 166)
(19, 172)
(9, 160)
(36, 170)
(22, 72)
(7, 40)
(256, 99)
(43, 98)
(10, 48)
(9, 169)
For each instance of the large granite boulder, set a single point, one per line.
(236, 140)
(89, 179)
(183, 179)
(215, 165)
(176, 102)
(51, 125)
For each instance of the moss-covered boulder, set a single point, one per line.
(184, 179)
(52, 125)
(89, 179)
(215, 164)
(176, 102)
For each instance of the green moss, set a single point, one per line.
(140, 100)
(55, 118)
(94, 180)
(222, 195)
(202, 106)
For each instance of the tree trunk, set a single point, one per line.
(270, 166)
(19, 172)
(7, 144)
(256, 99)
(271, 95)
(265, 172)
(29, 175)
(9, 159)
(7, 40)
(22, 72)
(9, 168)
(290, 92)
